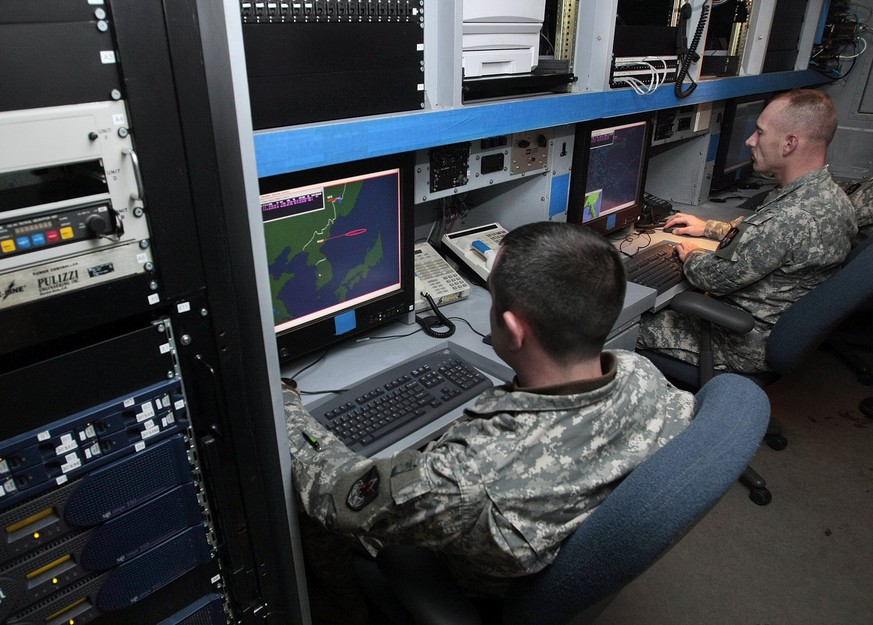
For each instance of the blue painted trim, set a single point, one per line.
(296, 148)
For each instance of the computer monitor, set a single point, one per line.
(733, 158)
(610, 157)
(339, 243)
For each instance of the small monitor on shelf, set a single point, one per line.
(610, 157)
(339, 243)
(733, 158)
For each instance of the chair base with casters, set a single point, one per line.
(691, 377)
(646, 514)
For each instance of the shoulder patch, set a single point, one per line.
(727, 247)
(728, 237)
(364, 490)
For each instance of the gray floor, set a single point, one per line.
(807, 557)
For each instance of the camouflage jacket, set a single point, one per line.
(496, 494)
(862, 198)
(795, 240)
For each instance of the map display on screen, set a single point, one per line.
(332, 246)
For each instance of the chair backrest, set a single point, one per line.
(651, 509)
(809, 320)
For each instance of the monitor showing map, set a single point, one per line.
(610, 157)
(339, 250)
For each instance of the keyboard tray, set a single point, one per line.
(378, 411)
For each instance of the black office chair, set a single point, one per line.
(799, 331)
(638, 522)
(856, 334)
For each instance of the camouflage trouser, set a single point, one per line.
(677, 335)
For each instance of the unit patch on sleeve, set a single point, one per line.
(364, 490)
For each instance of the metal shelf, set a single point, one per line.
(302, 147)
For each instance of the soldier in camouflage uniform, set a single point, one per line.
(861, 196)
(796, 239)
(497, 494)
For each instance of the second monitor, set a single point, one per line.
(339, 245)
(609, 172)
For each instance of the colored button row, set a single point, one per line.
(7, 246)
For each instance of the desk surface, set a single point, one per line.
(354, 360)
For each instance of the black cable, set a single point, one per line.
(431, 324)
(690, 55)
(469, 325)
(631, 238)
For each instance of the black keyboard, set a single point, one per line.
(384, 408)
(656, 267)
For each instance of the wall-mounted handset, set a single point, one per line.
(688, 54)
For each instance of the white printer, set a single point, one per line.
(501, 36)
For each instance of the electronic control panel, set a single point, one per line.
(456, 168)
(72, 208)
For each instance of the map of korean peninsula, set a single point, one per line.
(331, 245)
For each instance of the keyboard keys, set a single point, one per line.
(394, 403)
(657, 267)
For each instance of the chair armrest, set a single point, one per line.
(708, 308)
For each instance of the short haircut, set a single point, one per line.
(566, 280)
(810, 111)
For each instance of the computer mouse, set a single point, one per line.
(670, 229)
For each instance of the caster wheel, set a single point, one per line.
(760, 496)
(777, 442)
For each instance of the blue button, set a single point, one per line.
(38, 239)
(23, 242)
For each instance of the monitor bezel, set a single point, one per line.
(723, 178)
(324, 331)
(623, 217)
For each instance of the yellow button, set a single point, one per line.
(67, 233)
(7, 246)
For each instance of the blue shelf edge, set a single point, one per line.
(296, 148)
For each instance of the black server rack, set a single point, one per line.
(140, 468)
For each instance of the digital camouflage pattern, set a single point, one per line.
(715, 229)
(862, 198)
(796, 239)
(495, 495)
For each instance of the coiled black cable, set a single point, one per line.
(690, 55)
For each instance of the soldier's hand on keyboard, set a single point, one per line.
(682, 249)
(688, 225)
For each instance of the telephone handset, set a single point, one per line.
(433, 275)
(434, 278)
(431, 324)
(688, 53)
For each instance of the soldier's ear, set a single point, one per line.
(516, 330)
(789, 145)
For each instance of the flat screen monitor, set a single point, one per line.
(339, 243)
(733, 158)
(610, 157)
